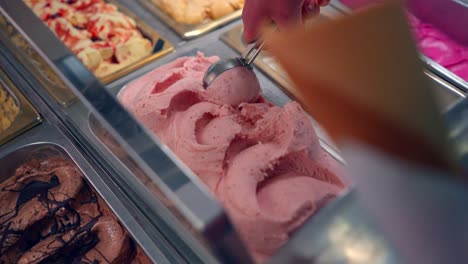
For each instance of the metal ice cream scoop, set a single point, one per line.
(221, 66)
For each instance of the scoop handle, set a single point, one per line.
(253, 49)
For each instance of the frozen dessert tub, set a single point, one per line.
(159, 47)
(40, 160)
(273, 93)
(456, 7)
(16, 113)
(53, 136)
(190, 65)
(341, 233)
(189, 31)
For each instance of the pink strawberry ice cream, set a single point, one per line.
(432, 42)
(234, 87)
(264, 163)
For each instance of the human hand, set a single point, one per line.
(282, 12)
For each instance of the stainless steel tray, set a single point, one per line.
(433, 66)
(342, 233)
(50, 80)
(46, 141)
(457, 125)
(271, 93)
(43, 150)
(445, 73)
(26, 117)
(446, 94)
(38, 67)
(56, 130)
(187, 31)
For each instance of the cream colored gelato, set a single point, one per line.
(103, 38)
(197, 11)
(8, 110)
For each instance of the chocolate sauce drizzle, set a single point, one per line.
(65, 234)
(27, 193)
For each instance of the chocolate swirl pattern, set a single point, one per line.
(50, 214)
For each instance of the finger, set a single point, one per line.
(286, 13)
(253, 15)
(266, 28)
(310, 10)
(322, 2)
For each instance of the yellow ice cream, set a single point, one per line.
(8, 110)
(197, 11)
(103, 38)
(126, 54)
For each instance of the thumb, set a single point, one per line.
(286, 13)
(253, 16)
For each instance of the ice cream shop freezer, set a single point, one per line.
(133, 158)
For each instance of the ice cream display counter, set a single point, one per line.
(155, 168)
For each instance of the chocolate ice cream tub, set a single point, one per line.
(72, 217)
(17, 114)
(190, 31)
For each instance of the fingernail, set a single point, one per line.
(311, 8)
(322, 2)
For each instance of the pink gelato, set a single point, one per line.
(441, 48)
(234, 87)
(264, 163)
(432, 42)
